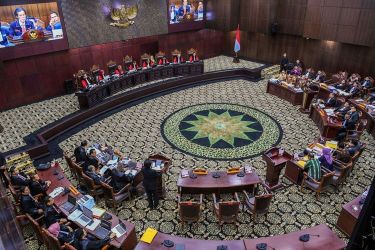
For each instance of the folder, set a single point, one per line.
(301, 163)
(149, 235)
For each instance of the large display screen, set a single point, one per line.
(186, 15)
(27, 23)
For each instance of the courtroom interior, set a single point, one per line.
(187, 124)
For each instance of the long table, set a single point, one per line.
(88, 99)
(349, 215)
(327, 127)
(126, 242)
(226, 183)
(326, 240)
(289, 94)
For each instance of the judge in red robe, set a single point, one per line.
(144, 64)
(193, 58)
(119, 70)
(85, 84)
(100, 76)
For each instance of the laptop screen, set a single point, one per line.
(72, 199)
(87, 212)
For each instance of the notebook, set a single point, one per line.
(149, 235)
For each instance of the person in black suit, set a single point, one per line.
(354, 90)
(367, 83)
(346, 125)
(51, 215)
(82, 242)
(353, 147)
(28, 204)
(38, 186)
(354, 114)
(310, 73)
(80, 152)
(3, 168)
(18, 179)
(332, 100)
(91, 160)
(284, 62)
(341, 111)
(150, 177)
(119, 178)
(93, 174)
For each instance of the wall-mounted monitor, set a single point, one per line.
(186, 15)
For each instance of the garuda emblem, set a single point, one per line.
(123, 16)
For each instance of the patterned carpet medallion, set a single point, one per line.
(221, 131)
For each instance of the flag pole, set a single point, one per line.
(236, 59)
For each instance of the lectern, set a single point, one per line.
(165, 163)
(275, 163)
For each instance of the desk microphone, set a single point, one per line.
(306, 237)
(168, 243)
(263, 246)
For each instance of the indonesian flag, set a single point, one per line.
(237, 45)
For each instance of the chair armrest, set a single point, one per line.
(214, 198)
(265, 188)
(236, 196)
(126, 188)
(201, 199)
(178, 198)
(246, 195)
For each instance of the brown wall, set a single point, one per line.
(319, 54)
(31, 79)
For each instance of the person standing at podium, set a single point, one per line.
(150, 177)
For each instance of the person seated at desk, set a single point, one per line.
(94, 175)
(320, 77)
(145, 64)
(83, 242)
(99, 76)
(299, 64)
(342, 153)
(38, 186)
(326, 159)
(119, 71)
(296, 71)
(152, 61)
(354, 89)
(133, 67)
(341, 111)
(354, 114)
(22, 24)
(353, 147)
(332, 100)
(119, 178)
(80, 152)
(63, 233)
(367, 83)
(312, 167)
(193, 58)
(86, 82)
(51, 215)
(178, 59)
(91, 160)
(347, 124)
(4, 33)
(310, 74)
(17, 178)
(28, 204)
(341, 85)
(163, 61)
(54, 22)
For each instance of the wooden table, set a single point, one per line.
(327, 127)
(275, 163)
(190, 244)
(88, 99)
(326, 240)
(293, 172)
(348, 216)
(126, 242)
(284, 92)
(227, 183)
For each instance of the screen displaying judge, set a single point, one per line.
(184, 9)
(22, 24)
(200, 10)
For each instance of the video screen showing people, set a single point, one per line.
(185, 11)
(29, 22)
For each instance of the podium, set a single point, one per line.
(275, 163)
(308, 96)
(160, 182)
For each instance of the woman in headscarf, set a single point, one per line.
(326, 159)
(63, 233)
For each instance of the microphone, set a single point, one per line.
(263, 246)
(306, 237)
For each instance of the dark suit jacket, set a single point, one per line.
(119, 179)
(38, 187)
(331, 102)
(284, 62)
(92, 161)
(80, 154)
(150, 177)
(28, 205)
(354, 90)
(348, 125)
(97, 178)
(50, 215)
(19, 180)
(343, 110)
(354, 117)
(367, 84)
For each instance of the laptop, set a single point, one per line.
(103, 230)
(119, 230)
(85, 218)
(70, 204)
